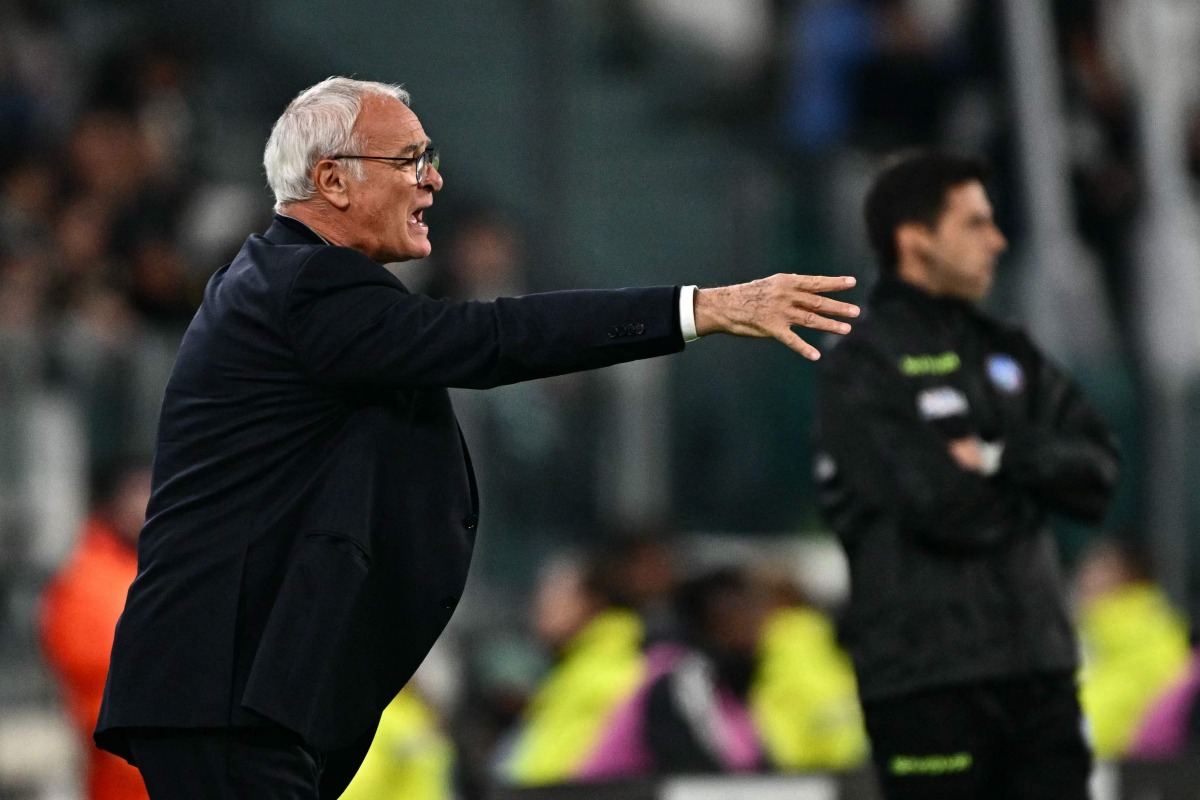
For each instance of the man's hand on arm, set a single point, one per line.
(975, 455)
(897, 464)
(770, 307)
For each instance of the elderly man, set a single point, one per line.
(313, 508)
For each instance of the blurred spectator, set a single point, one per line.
(410, 757)
(503, 674)
(27, 203)
(98, 175)
(158, 284)
(1134, 644)
(148, 82)
(904, 87)
(598, 646)
(545, 428)
(828, 40)
(22, 294)
(874, 73)
(38, 76)
(804, 697)
(106, 158)
(1102, 148)
(483, 257)
(645, 577)
(79, 615)
(691, 713)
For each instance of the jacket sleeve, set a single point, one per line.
(351, 322)
(878, 457)
(1063, 453)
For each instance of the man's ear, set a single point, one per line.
(914, 243)
(331, 183)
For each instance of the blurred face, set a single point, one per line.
(385, 214)
(649, 576)
(1102, 572)
(736, 621)
(128, 507)
(487, 256)
(958, 257)
(562, 606)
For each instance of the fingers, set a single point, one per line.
(789, 338)
(823, 283)
(827, 305)
(804, 289)
(810, 319)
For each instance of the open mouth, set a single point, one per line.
(418, 218)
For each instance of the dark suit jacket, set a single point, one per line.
(313, 508)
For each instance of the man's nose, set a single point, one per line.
(1001, 242)
(433, 178)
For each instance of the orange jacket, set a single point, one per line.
(79, 615)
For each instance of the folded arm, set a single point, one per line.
(883, 458)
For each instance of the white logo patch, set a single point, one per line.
(824, 468)
(942, 402)
(1005, 373)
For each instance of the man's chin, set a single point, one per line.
(978, 293)
(411, 253)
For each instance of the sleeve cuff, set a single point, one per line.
(993, 453)
(687, 313)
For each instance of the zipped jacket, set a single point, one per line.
(954, 574)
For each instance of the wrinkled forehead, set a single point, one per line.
(387, 126)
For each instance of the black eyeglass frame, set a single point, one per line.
(428, 156)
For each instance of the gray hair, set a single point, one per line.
(317, 124)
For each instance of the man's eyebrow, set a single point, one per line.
(417, 147)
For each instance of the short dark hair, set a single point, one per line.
(911, 187)
(697, 598)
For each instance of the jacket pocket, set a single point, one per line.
(296, 678)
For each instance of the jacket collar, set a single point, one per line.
(286, 230)
(890, 289)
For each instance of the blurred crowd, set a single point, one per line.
(832, 85)
(863, 77)
(633, 659)
(109, 229)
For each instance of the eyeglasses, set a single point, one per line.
(422, 161)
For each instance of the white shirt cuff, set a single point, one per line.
(687, 313)
(992, 453)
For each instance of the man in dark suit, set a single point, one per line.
(313, 508)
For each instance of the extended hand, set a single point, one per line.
(769, 307)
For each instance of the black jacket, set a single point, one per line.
(954, 576)
(313, 508)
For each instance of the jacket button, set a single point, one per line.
(614, 332)
(639, 328)
(471, 521)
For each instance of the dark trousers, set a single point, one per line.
(1003, 740)
(240, 764)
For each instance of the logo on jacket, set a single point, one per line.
(824, 468)
(941, 402)
(1005, 373)
(939, 364)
